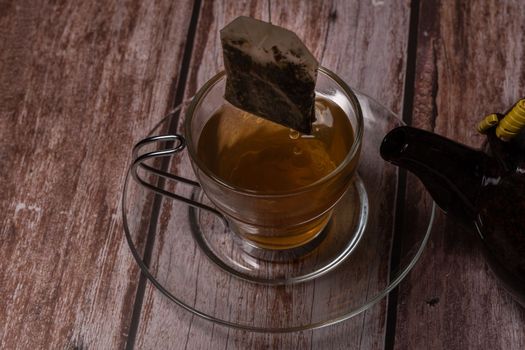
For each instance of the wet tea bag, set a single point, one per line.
(270, 73)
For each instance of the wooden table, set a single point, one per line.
(82, 81)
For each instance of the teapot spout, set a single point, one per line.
(451, 172)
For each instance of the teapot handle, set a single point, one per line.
(174, 144)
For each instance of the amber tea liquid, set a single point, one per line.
(252, 153)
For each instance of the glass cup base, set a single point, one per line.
(260, 251)
(328, 248)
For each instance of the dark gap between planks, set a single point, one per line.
(157, 202)
(399, 220)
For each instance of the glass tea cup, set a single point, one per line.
(282, 221)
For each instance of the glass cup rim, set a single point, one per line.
(203, 91)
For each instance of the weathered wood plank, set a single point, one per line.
(365, 44)
(469, 63)
(81, 81)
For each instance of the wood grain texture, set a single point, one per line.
(80, 83)
(469, 63)
(349, 38)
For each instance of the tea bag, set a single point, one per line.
(270, 73)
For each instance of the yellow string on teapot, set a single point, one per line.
(512, 123)
(488, 122)
(508, 126)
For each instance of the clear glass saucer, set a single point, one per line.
(191, 258)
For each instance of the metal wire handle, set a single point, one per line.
(178, 146)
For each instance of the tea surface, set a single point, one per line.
(255, 154)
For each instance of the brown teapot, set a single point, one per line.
(484, 189)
